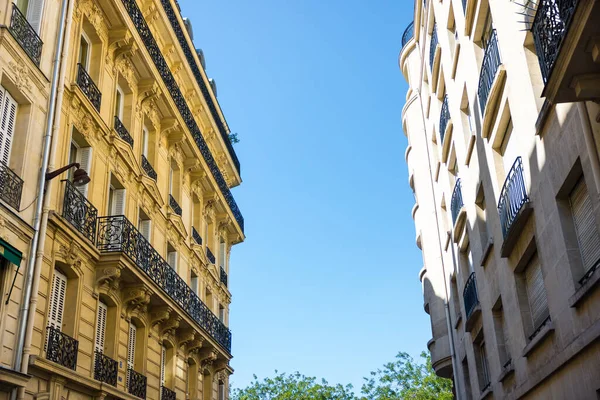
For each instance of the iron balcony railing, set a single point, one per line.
(223, 276)
(464, 4)
(61, 348)
(189, 55)
(79, 212)
(444, 118)
(196, 236)
(210, 256)
(408, 34)
(105, 369)
(175, 92)
(117, 234)
(122, 131)
(491, 63)
(512, 197)
(167, 394)
(470, 295)
(175, 205)
(457, 201)
(88, 87)
(11, 187)
(136, 383)
(25, 35)
(550, 26)
(433, 46)
(148, 169)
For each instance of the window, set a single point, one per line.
(171, 176)
(221, 313)
(467, 380)
(85, 50)
(585, 225)
(145, 137)
(536, 293)
(100, 328)
(221, 390)
(208, 298)
(131, 349)
(483, 372)
(163, 358)
(194, 283)
(119, 103)
(172, 257)
(32, 10)
(222, 253)
(81, 153)
(8, 117)
(144, 225)
(487, 30)
(501, 334)
(116, 198)
(57, 300)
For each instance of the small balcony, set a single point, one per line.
(433, 47)
(148, 169)
(105, 369)
(25, 35)
(489, 74)
(457, 210)
(408, 34)
(61, 348)
(88, 87)
(174, 205)
(223, 276)
(444, 118)
(11, 187)
(471, 300)
(196, 236)
(136, 384)
(122, 131)
(79, 212)
(513, 206)
(167, 394)
(210, 256)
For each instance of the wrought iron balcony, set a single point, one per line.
(117, 234)
(457, 201)
(196, 236)
(174, 205)
(11, 187)
(409, 33)
(433, 46)
(223, 276)
(122, 131)
(167, 394)
(464, 4)
(25, 35)
(210, 256)
(61, 348)
(88, 87)
(470, 295)
(491, 63)
(105, 369)
(79, 212)
(512, 197)
(444, 118)
(136, 383)
(148, 169)
(551, 23)
(145, 33)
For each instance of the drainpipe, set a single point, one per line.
(36, 250)
(590, 142)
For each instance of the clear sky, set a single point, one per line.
(326, 282)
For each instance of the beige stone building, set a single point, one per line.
(129, 287)
(502, 120)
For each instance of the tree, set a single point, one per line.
(406, 379)
(233, 138)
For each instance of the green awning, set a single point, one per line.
(10, 253)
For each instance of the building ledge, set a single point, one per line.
(9, 378)
(487, 251)
(471, 319)
(458, 320)
(513, 234)
(546, 330)
(586, 289)
(507, 370)
(486, 392)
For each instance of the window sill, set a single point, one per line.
(586, 289)
(458, 319)
(507, 370)
(486, 251)
(486, 393)
(544, 332)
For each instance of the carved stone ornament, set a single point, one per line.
(169, 327)
(94, 15)
(3, 231)
(70, 254)
(136, 298)
(220, 377)
(186, 337)
(209, 360)
(82, 120)
(160, 315)
(22, 75)
(108, 277)
(195, 345)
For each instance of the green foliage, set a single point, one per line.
(233, 138)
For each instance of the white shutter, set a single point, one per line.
(163, 357)
(118, 202)
(145, 142)
(57, 300)
(146, 228)
(131, 349)
(585, 225)
(7, 125)
(84, 158)
(221, 391)
(222, 254)
(194, 284)
(101, 327)
(34, 14)
(536, 293)
(172, 259)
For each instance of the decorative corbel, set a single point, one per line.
(209, 359)
(186, 337)
(159, 315)
(195, 345)
(169, 326)
(108, 277)
(71, 254)
(136, 298)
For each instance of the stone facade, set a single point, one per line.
(503, 159)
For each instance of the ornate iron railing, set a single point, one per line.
(61, 348)
(433, 46)
(470, 295)
(88, 87)
(408, 34)
(491, 62)
(105, 369)
(174, 205)
(464, 4)
(25, 35)
(11, 187)
(210, 256)
(512, 197)
(550, 25)
(136, 383)
(189, 55)
(444, 118)
(167, 394)
(117, 234)
(223, 276)
(457, 201)
(196, 236)
(163, 68)
(79, 212)
(148, 169)
(122, 131)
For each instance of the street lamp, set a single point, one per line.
(80, 176)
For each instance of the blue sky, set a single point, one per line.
(327, 280)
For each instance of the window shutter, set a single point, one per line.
(146, 228)
(163, 357)
(536, 293)
(101, 327)
(222, 254)
(194, 284)
(131, 349)
(221, 391)
(585, 225)
(84, 158)
(57, 300)
(34, 14)
(172, 259)
(7, 126)
(118, 203)
(145, 142)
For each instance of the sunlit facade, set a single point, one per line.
(503, 157)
